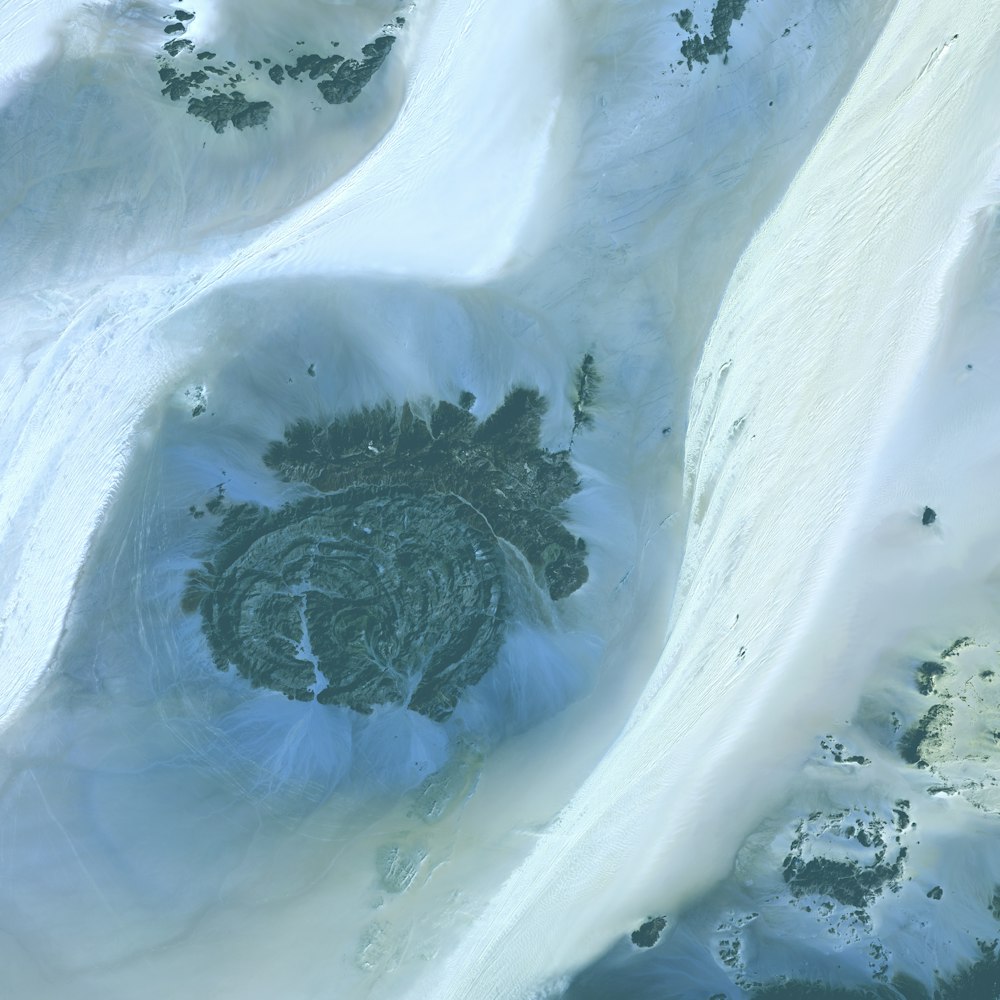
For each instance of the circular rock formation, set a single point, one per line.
(358, 598)
(386, 585)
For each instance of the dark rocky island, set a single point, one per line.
(697, 48)
(979, 980)
(922, 742)
(585, 386)
(497, 465)
(339, 79)
(353, 75)
(388, 582)
(927, 676)
(648, 933)
(845, 879)
(220, 110)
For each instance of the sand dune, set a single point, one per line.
(825, 326)
(780, 263)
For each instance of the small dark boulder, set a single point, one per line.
(929, 516)
(649, 933)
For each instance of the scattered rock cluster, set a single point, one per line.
(215, 93)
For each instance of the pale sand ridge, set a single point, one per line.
(824, 325)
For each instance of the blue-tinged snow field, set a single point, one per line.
(496, 499)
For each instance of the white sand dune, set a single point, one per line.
(529, 181)
(826, 323)
(29, 35)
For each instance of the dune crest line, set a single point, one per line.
(825, 325)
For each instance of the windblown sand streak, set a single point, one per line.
(826, 322)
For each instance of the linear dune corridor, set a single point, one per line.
(498, 500)
(824, 329)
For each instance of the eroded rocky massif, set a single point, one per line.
(389, 582)
(216, 92)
